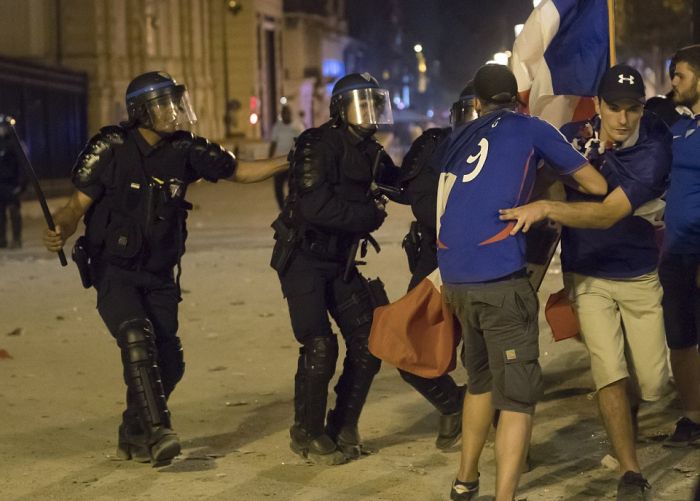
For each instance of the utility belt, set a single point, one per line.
(339, 248)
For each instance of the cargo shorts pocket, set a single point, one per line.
(522, 375)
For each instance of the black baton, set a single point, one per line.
(29, 171)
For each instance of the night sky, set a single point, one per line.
(460, 34)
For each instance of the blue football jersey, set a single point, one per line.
(490, 164)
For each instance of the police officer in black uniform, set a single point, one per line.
(330, 209)
(131, 183)
(12, 184)
(418, 181)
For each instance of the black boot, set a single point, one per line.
(319, 450)
(145, 390)
(346, 436)
(131, 441)
(315, 368)
(450, 425)
(359, 369)
(447, 398)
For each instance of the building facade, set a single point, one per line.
(227, 52)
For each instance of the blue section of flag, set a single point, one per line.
(579, 53)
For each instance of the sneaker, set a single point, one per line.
(686, 432)
(633, 487)
(464, 491)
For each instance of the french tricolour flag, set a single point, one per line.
(561, 54)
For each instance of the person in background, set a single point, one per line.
(282, 137)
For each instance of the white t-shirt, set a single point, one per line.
(283, 136)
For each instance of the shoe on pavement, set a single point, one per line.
(686, 432)
(633, 487)
(464, 491)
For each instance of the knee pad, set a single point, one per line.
(136, 340)
(320, 355)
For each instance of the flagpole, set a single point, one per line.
(611, 31)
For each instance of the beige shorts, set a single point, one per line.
(622, 326)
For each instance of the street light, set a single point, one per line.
(418, 48)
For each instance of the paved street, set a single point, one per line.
(61, 391)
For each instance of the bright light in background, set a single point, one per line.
(430, 113)
(283, 100)
(253, 118)
(535, 3)
(501, 58)
(418, 48)
(518, 28)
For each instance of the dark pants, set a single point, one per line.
(314, 289)
(127, 296)
(442, 392)
(681, 301)
(12, 206)
(501, 340)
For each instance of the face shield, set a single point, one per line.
(367, 107)
(171, 112)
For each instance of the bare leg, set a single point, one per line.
(614, 405)
(512, 443)
(685, 365)
(477, 415)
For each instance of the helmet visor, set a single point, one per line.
(367, 107)
(462, 112)
(171, 112)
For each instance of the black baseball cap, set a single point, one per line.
(621, 82)
(495, 83)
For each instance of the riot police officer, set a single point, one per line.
(131, 182)
(330, 208)
(418, 181)
(12, 184)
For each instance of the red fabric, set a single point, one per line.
(417, 333)
(561, 316)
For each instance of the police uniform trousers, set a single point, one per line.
(442, 392)
(149, 302)
(315, 288)
(10, 204)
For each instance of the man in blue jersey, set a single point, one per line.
(488, 164)
(679, 270)
(610, 256)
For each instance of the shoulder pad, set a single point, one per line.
(420, 152)
(98, 152)
(311, 157)
(209, 160)
(182, 140)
